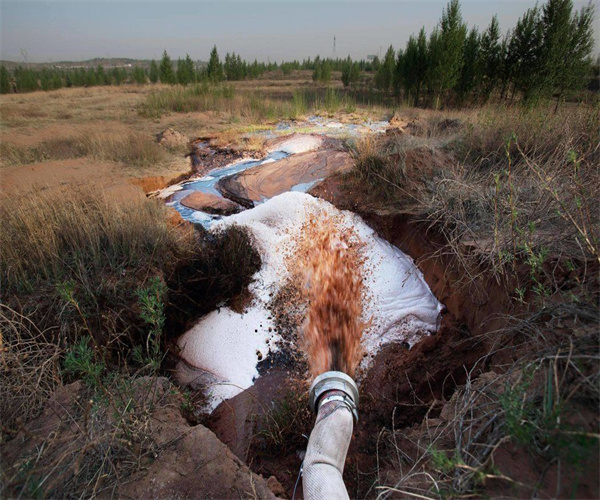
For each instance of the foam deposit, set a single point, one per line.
(396, 298)
(298, 143)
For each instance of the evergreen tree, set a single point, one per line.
(26, 80)
(153, 74)
(350, 72)
(186, 72)
(101, 76)
(316, 76)
(165, 70)
(524, 55)
(567, 42)
(56, 80)
(46, 79)
(4, 80)
(139, 75)
(90, 78)
(325, 72)
(577, 63)
(215, 68)
(118, 76)
(490, 57)
(470, 75)
(445, 52)
(413, 70)
(385, 73)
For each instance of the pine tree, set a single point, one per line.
(4, 80)
(165, 71)
(325, 72)
(385, 73)
(139, 75)
(350, 72)
(490, 58)
(90, 78)
(414, 67)
(470, 74)
(524, 57)
(445, 52)
(215, 68)
(118, 76)
(153, 74)
(101, 78)
(577, 62)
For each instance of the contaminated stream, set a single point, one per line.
(342, 292)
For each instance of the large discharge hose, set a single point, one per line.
(334, 398)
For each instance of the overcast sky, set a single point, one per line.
(64, 30)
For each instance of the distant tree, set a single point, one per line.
(385, 73)
(139, 75)
(350, 72)
(186, 72)
(490, 58)
(165, 71)
(101, 76)
(325, 72)
(4, 80)
(57, 82)
(118, 75)
(445, 52)
(215, 68)
(234, 67)
(90, 78)
(26, 80)
(413, 70)
(46, 79)
(470, 75)
(316, 76)
(153, 73)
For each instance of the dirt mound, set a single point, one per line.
(210, 203)
(172, 139)
(271, 179)
(188, 460)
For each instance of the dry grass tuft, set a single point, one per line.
(130, 149)
(59, 236)
(379, 166)
(29, 369)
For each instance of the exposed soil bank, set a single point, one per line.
(405, 386)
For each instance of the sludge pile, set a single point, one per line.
(366, 287)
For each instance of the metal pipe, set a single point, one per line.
(334, 398)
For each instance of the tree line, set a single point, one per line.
(184, 72)
(547, 53)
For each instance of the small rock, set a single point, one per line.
(210, 203)
(172, 139)
(276, 487)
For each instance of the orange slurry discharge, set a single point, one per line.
(331, 264)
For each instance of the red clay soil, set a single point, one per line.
(404, 386)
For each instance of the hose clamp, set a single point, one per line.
(334, 381)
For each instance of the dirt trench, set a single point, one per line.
(403, 385)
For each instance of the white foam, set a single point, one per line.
(228, 345)
(298, 143)
(397, 299)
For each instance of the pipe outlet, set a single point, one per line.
(334, 386)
